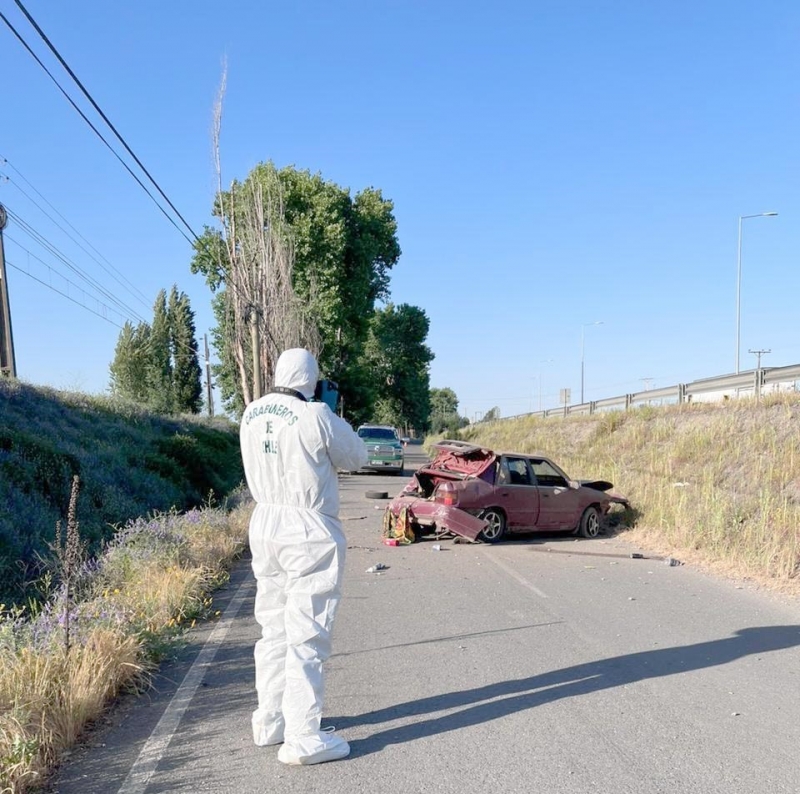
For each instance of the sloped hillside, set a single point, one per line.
(716, 483)
(130, 463)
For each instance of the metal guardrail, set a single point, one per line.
(781, 374)
(744, 383)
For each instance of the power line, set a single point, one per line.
(102, 115)
(66, 295)
(51, 269)
(48, 246)
(148, 344)
(94, 129)
(39, 238)
(122, 281)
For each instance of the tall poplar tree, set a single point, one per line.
(187, 389)
(157, 365)
(130, 366)
(159, 369)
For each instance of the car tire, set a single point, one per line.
(589, 526)
(497, 525)
(377, 494)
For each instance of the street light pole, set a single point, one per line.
(584, 326)
(739, 281)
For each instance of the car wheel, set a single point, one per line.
(589, 526)
(496, 528)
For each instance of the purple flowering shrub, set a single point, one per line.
(125, 610)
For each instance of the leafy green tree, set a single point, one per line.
(187, 388)
(399, 360)
(491, 415)
(157, 365)
(159, 361)
(444, 412)
(443, 402)
(129, 368)
(343, 248)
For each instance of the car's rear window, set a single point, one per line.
(377, 432)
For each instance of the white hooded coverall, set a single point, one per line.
(291, 451)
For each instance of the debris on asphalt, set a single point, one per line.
(437, 547)
(670, 561)
(379, 566)
(391, 542)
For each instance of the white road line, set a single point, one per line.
(511, 572)
(145, 765)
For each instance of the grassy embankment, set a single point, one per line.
(715, 484)
(111, 594)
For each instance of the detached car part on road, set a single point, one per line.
(480, 494)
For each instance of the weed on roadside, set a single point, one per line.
(104, 626)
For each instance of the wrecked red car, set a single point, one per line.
(479, 494)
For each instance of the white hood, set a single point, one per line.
(297, 369)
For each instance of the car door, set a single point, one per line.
(516, 493)
(559, 504)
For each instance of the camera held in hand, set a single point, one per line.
(327, 391)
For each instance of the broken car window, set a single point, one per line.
(514, 471)
(547, 476)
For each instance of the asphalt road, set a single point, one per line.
(537, 665)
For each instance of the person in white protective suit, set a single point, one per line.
(291, 450)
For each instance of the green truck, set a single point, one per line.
(384, 448)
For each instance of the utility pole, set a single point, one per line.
(758, 354)
(8, 363)
(209, 393)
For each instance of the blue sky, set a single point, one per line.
(551, 165)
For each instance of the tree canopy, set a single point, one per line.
(444, 416)
(399, 361)
(343, 248)
(157, 364)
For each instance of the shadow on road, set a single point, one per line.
(503, 698)
(448, 638)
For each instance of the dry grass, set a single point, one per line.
(716, 483)
(49, 695)
(152, 580)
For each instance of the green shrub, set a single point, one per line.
(131, 463)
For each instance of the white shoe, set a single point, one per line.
(267, 735)
(314, 749)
